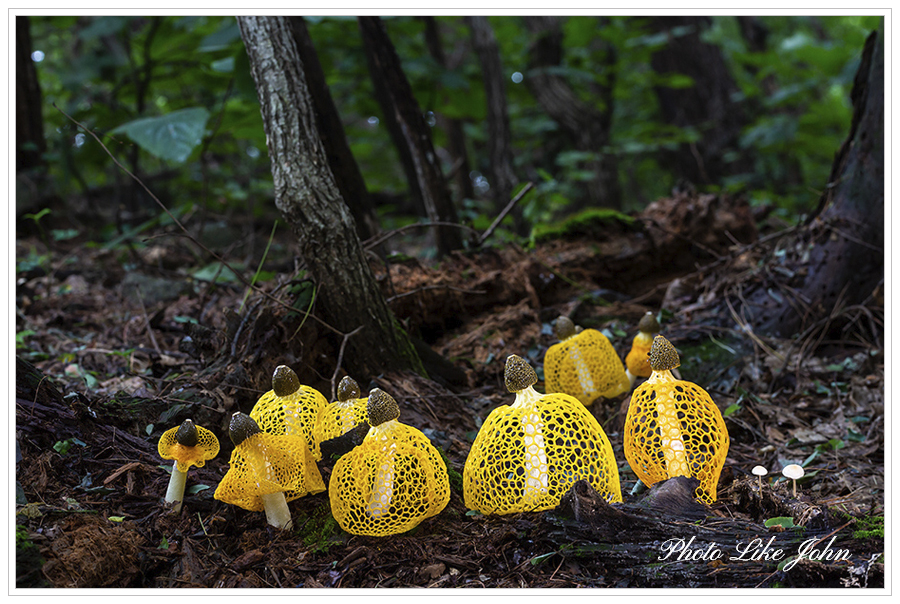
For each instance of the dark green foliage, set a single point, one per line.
(176, 92)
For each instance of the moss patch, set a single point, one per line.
(592, 222)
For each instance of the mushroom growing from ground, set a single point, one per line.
(759, 472)
(267, 471)
(392, 481)
(342, 415)
(794, 472)
(188, 445)
(583, 364)
(637, 361)
(673, 427)
(528, 454)
(290, 408)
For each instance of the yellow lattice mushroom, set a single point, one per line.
(188, 445)
(290, 408)
(528, 454)
(267, 471)
(392, 481)
(637, 361)
(342, 415)
(583, 364)
(673, 427)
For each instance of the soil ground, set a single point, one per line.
(106, 366)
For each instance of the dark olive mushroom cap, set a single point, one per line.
(648, 323)
(241, 428)
(381, 407)
(663, 356)
(187, 434)
(285, 381)
(518, 375)
(348, 389)
(564, 328)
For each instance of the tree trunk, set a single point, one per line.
(309, 199)
(588, 127)
(837, 259)
(30, 142)
(706, 106)
(346, 172)
(456, 138)
(410, 132)
(503, 176)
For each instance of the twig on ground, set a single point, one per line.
(506, 210)
(340, 360)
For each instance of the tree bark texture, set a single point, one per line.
(30, 142)
(837, 259)
(309, 199)
(456, 138)
(706, 106)
(346, 172)
(588, 126)
(410, 132)
(503, 176)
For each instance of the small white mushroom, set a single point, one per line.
(793, 472)
(759, 472)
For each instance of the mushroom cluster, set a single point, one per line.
(528, 454)
(583, 364)
(392, 481)
(673, 427)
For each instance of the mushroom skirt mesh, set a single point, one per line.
(660, 415)
(338, 418)
(292, 414)
(585, 366)
(390, 483)
(264, 464)
(207, 447)
(526, 457)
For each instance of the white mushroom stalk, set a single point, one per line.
(794, 472)
(759, 472)
(278, 514)
(383, 412)
(175, 492)
(379, 500)
(537, 470)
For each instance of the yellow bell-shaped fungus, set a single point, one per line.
(267, 471)
(342, 415)
(583, 364)
(290, 408)
(637, 361)
(392, 481)
(528, 454)
(188, 445)
(673, 427)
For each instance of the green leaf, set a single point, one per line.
(172, 136)
(731, 409)
(193, 490)
(117, 518)
(785, 521)
(216, 272)
(538, 559)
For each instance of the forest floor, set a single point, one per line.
(106, 325)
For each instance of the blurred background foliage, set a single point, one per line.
(173, 99)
